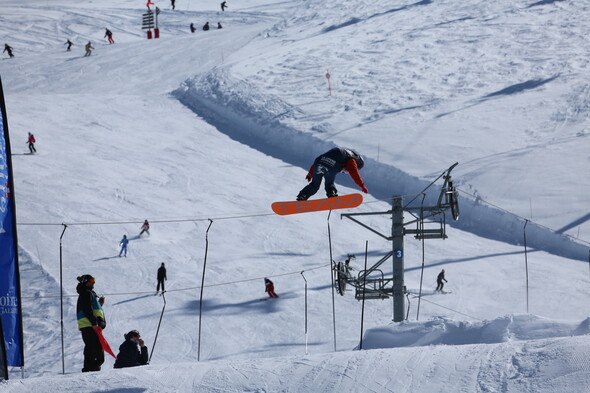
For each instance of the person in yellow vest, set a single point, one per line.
(90, 318)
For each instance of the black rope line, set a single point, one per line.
(183, 289)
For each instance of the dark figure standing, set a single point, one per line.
(223, 5)
(109, 35)
(206, 26)
(31, 141)
(161, 278)
(8, 48)
(219, 25)
(69, 44)
(173, 3)
(132, 352)
(90, 319)
(145, 228)
(270, 288)
(193, 29)
(327, 166)
(439, 281)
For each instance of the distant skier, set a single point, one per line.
(124, 242)
(161, 278)
(439, 281)
(69, 44)
(193, 29)
(172, 2)
(8, 48)
(31, 141)
(88, 48)
(327, 166)
(145, 228)
(223, 5)
(270, 288)
(219, 25)
(132, 352)
(109, 36)
(206, 26)
(90, 317)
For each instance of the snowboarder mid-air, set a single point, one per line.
(223, 5)
(327, 166)
(439, 281)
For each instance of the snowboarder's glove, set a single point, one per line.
(364, 188)
(308, 177)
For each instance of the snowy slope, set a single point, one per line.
(217, 125)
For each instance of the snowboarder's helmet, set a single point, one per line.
(359, 160)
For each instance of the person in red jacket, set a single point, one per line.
(270, 288)
(31, 141)
(327, 166)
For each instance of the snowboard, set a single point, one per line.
(315, 205)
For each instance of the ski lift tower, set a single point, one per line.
(378, 286)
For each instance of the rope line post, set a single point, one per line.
(421, 223)
(61, 300)
(364, 292)
(305, 310)
(159, 323)
(332, 277)
(202, 287)
(526, 266)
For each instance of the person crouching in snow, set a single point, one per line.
(132, 352)
(327, 166)
(270, 288)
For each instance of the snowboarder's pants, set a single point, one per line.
(144, 230)
(123, 249)
(88, 53)
(32, 148)
(158, 287)
(93, 352)
(320, 172)
(439, 285)
(271, 291)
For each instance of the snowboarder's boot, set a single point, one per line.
(302, 197)
(332, 194)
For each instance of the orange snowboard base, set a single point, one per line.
(316, 205)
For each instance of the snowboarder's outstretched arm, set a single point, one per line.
(353, 170)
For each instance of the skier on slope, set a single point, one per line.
(327, 166)
(161, 278)
(439, 281)
(132, 352)
(109, 35)
(88, 48)
(145, 228)
(269, 288)
(90, 317)
(31, 141)
(123, 243)
(193, 28)
(69, 44)
(8, 48)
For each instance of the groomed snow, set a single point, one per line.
(210, 128)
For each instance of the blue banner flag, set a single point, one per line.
(10, 299)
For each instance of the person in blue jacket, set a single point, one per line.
(327, 166)
(132, 352)
(124, 242)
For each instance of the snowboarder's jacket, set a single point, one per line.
(338, 159)
(88, 309)
(162, 273)
(130, 355)
(31, 138)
